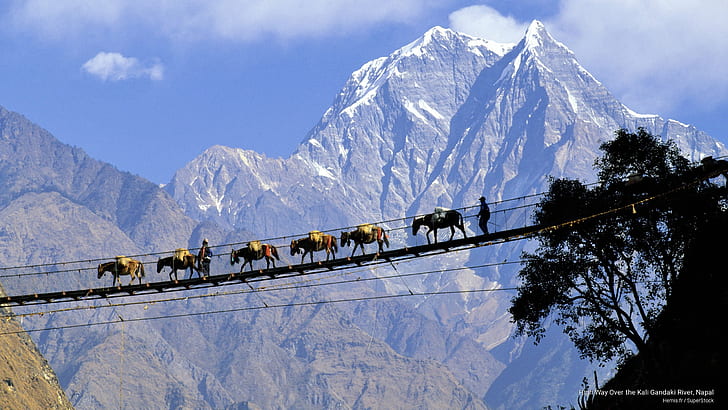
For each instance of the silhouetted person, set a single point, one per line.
(483, 215)
(204, 256)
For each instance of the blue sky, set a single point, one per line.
(149, 85)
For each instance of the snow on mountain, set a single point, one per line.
(439, 122)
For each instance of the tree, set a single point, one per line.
(610, 261)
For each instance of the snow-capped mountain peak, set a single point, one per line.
(445, 38)
(438, 122)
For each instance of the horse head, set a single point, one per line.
(416, 223)
(294, 247)
(101, 270)
(160, 264)
(345, 239)
(234, 258)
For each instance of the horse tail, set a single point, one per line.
(141, 269)
(274, 252)
(416, 222)
(385, 237)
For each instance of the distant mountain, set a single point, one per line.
(441, 121)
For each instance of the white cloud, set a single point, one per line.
(195, 20)
(486, 22)
(116, 67)
(654, 55)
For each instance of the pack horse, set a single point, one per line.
(316, 241)
(253, 252)
(440, 219)
(122, 266)
(363, 234)
(182, 259)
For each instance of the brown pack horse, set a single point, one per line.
(122, 266)
(447, 219)
(321, 242)
(250, 254)
(187, 261)
(365, 234)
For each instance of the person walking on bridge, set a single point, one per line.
(204, 257)
(483, 216)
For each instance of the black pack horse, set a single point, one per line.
(250, 254)
(446, 219)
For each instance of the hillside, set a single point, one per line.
(28, 382)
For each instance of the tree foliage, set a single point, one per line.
(607, 267)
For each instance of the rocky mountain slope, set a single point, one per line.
(28, 382)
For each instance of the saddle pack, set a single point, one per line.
(319, 238)
(255, 246)
(369, 229)
(122, 261)
(440, 214)
(180, 254)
